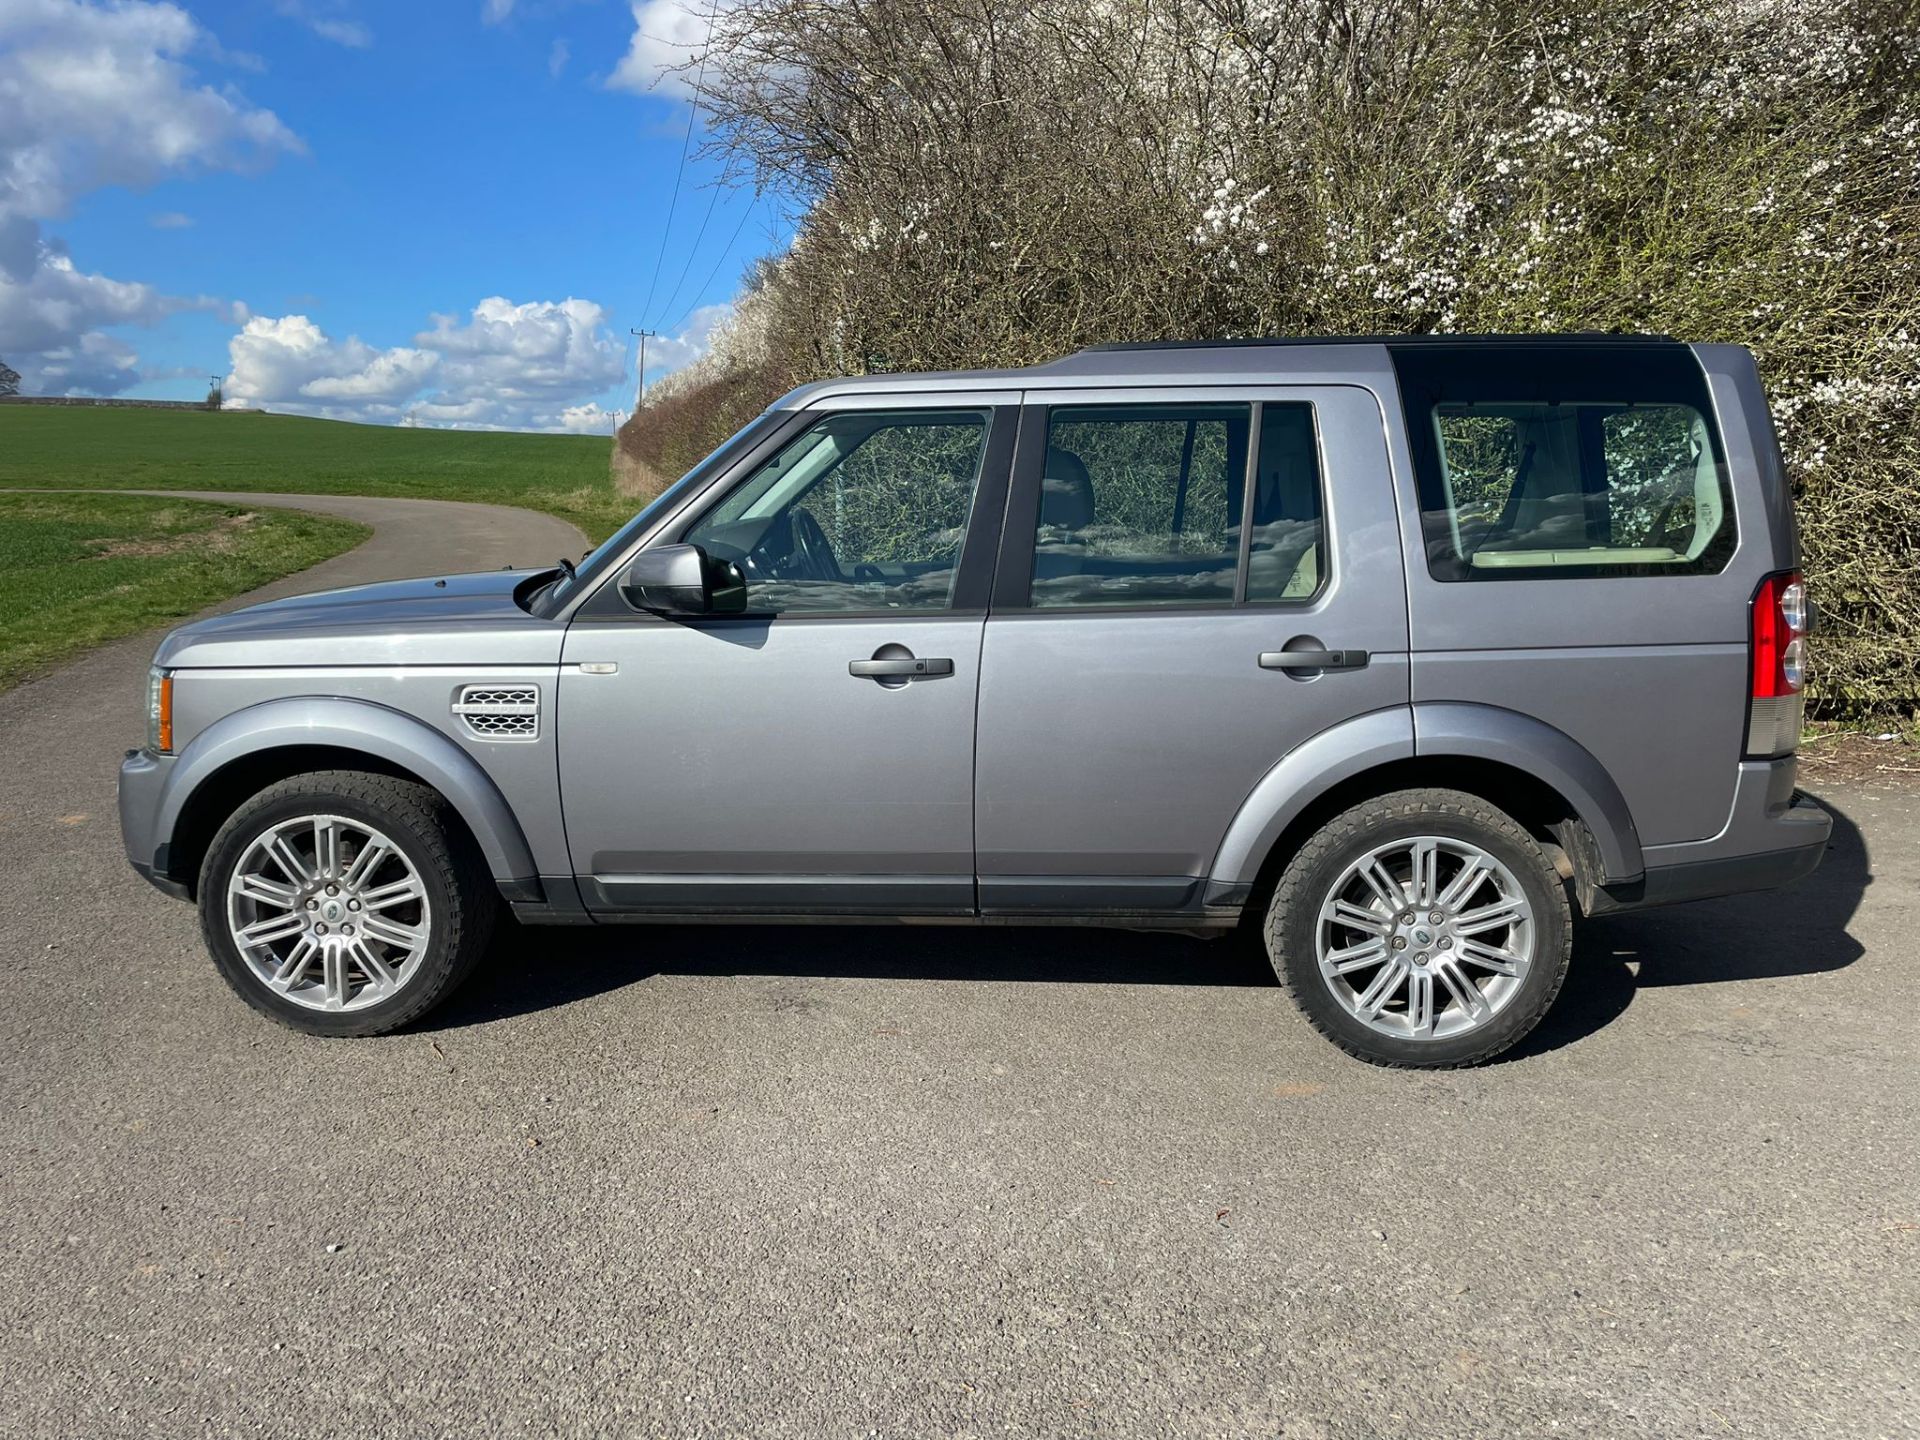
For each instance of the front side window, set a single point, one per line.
(1145, 504)
(859, 512)
(1567, 465)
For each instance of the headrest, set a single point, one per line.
(1066, 492)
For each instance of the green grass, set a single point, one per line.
(60, 447)
(79, 570)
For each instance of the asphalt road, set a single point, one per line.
(917, 1182)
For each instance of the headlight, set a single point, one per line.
(160, 711)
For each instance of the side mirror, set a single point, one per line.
(683, 580)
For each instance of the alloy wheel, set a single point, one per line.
(328, 912)
(1425, 938)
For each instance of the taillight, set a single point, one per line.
(1777, 649)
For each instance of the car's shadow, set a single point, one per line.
(1798, 931)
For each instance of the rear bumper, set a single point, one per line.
(1774, 836)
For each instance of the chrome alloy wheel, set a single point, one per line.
(328, 912)
(1425, 939)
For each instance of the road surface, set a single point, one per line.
(915, 1182)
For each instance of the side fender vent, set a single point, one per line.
(500, 712)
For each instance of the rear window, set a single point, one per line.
(1566, 463)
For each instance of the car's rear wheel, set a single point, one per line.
(1422, 928)
(342, 903)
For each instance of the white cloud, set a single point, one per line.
(350, 33)
(89, 363)
(91, 96)
(94, 95)
(667, 353)
(557, 58)
(290, 359)
(666, 33)
(170, 220)
(588, 420)
(322, 17)
(51, 320)
(495, 11)
(534, 357)
(535, 366)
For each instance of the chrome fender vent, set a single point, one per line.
(499, 712)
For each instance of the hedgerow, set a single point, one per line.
(988, 184)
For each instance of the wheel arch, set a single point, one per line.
(1542, 777)
(242, 753)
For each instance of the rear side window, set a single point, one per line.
(1146, 505)
(1564, 463)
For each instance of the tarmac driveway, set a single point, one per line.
(918, 1182)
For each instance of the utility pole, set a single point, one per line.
(640, 375)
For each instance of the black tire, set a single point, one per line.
(460, 892)
(1293, 919)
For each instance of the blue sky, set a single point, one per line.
(380, 169)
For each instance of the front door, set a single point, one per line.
(1190, 587)
(814, 755)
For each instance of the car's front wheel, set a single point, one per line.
(1422, 928)
(343, 903)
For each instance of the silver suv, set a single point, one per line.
(1396, 651)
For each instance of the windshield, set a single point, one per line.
(588, 572)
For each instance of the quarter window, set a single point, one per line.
(1567, 465)
(859, 512)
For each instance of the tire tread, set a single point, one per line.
(1348, 827)
(445, 847)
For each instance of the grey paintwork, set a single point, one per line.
(1117, 764)
(753, 752)
(1648, 676)
(1122, 743)
(453, 620)
(353, 726)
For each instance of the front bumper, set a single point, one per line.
(1774, 836)
(143, 777)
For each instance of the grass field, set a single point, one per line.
(54, 446)
(79, 570)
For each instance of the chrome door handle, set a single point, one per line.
(899, 669)
(1313, 659)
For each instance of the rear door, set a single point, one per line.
(1165, 563)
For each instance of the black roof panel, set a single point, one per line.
(1576, 337)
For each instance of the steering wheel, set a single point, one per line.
(812, 551)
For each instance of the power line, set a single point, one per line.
(686, 143)
(692, 252)
(694, 304)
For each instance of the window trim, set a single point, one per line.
(1012, 593)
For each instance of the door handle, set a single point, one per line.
(1313, 659)
(908, 669)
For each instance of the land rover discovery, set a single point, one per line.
(1394, 652)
